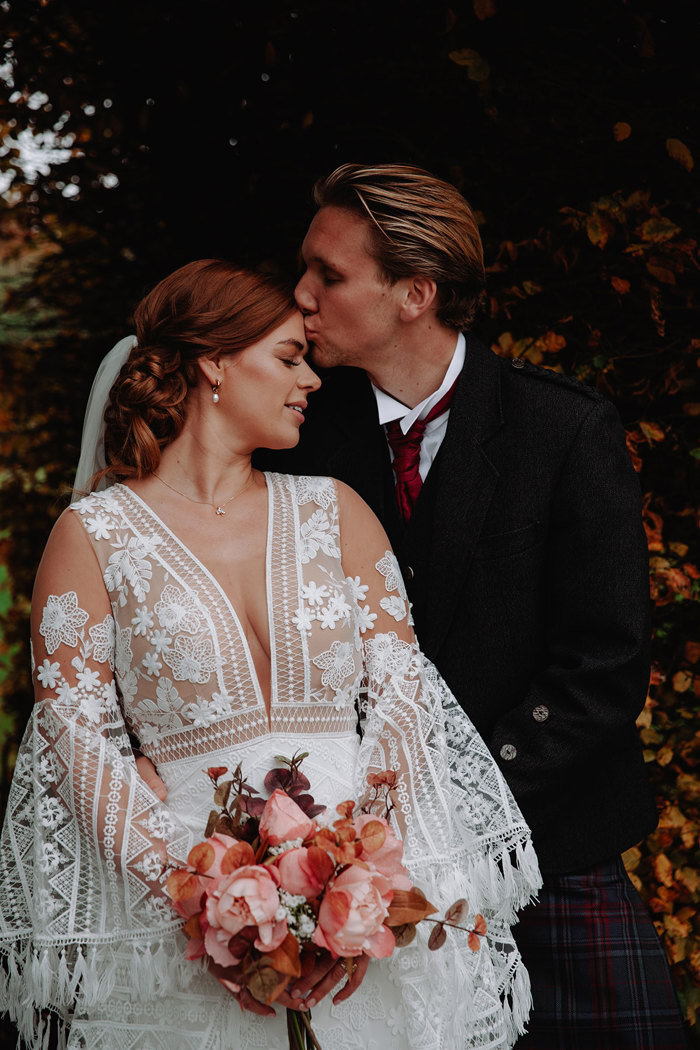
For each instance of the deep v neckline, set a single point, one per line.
(267, 703)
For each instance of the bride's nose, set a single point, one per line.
(308, 380)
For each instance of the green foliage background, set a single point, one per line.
(198, 131)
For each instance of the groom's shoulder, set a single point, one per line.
(536, 393)
(550, 381)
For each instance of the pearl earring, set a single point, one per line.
(215, 392)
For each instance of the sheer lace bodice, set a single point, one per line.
(156, 649)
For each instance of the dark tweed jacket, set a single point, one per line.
(526, 564)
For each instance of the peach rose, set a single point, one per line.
(351, 916)
(298, 875)
(248, 897)
(282, 820)
(388, 859)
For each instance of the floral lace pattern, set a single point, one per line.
(158, 650)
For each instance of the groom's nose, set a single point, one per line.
(304, 298)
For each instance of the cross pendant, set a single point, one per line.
(220, 510)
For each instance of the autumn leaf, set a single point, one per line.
(474, 942)
(181, 885)
(408, 906)
(236, 857)
(663, 869)
(661, 273)
(692, 652)
(286, 958)
(221, 795)
(550, 343)
(437, 937)
(657, 230)
(373, 835)
(620, 285)
(599, 229)
(531, 287)
(679, 152)
(457, 912)
(484, 9)
(621, 131)
(477, 67)
(320, 863)
(404, 935)
(681, 681)
(480, 925)
(193, 927)
(652, 431)
(265, 984)
(201, 857)
(631, 858)
(690, 878)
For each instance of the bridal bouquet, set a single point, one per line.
(271, 888)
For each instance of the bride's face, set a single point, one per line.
(266, 386)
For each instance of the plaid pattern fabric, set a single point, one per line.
(599, 975)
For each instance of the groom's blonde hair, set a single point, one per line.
(418, 225)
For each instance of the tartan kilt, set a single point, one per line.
(600, 980)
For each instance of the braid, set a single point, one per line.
(146, 411)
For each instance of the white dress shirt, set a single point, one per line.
(390, 409)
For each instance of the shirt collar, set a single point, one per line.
(390, 409)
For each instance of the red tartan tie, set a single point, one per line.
(406, 449)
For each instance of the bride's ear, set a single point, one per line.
(211, 369)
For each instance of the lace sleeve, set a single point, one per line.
(464, 835)
(85, 841)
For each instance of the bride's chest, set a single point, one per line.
(193, 640)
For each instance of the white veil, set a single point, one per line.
(92, 445)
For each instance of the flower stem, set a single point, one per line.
(306, 1021)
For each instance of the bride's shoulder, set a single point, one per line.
(323, 491)
(92, 502)
(308, 488)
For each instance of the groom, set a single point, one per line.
(511, 503)
(509, 498)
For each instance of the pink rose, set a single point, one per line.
(351, 916)
(388, 859)
(304, 871)
(248, 897)
(282, 820)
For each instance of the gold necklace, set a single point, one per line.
(218, 509)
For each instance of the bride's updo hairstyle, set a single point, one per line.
(208, 307)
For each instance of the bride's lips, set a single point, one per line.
(298, 409)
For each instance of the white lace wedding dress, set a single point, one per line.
(86, 931)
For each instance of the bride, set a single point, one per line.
(221, 615)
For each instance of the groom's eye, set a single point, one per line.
(330, 278)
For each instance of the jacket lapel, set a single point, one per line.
(450, 512)
(360, 455)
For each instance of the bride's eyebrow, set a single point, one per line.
(301, 347)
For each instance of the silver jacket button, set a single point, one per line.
(408, 573)
(518, 362)
(508, 752)
(540, 713)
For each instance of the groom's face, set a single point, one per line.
(351, 313)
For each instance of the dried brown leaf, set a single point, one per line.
(437, 937)
(679, 152)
